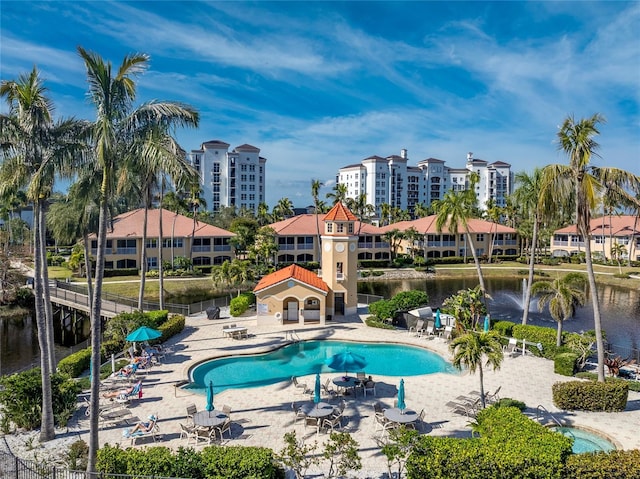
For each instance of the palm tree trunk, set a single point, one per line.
(476, 261)
(559, 334)
(47, 430)
(143, 256)
(96, 328)
(193, 235)
(597, 320)
(482, 398)
(160, 265)
(46, 294)
(632, 243)
(87, 265)
(527, 294)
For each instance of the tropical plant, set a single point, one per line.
(315, 192)
(468, 306)
(562, 295)
(618, 252)
(394, 237)
(455, 210)
(578, 185)
(116, 133)
(264, 246)
(338, 194)
(470, 349)
(297, 455)
(283, 209)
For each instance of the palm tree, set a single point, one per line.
(528, 196)
(618, 251)
(118, 124)
(421, 210)
(263, 216)
(394, 237)
(34, 149)
(470, 349)
(339, 193)
(493, 214)
(411, 235)
(562, 295)
(196, 201)
(578, 184)
(385, 214)
(455, 210)
(283, 209)
(315, 192)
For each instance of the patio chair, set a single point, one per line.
(227, 410)
(370, 386)
(418, 423)
(297, 413)
(332, 422)
(226, 426)
(328, 389)
(188, 432)
(383, 425)
(339, 410)
(417, 329)
(302, 386)
(378, 409)
(313, 422)
(191, 410)
(207, 435)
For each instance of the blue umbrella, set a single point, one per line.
(143, 333)
(487, 323)
(209, 406)
(346, 361)
(401, 404)
(438, 324)
(316, 393)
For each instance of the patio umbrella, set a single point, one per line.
(209, 406)
(316, 393)
(487, 323)
(438, 324)
(401, 405)
(143, 333)
(346, 361)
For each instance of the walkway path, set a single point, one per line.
(262, 415)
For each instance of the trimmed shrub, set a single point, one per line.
(74, 364)
(238, 462)
(110, 273)
(508, 402)
(534, 451)
(538, 334)
(612, 465)
(372, 322)
(107, 348)
(503, 328)
(610, 396)
(406, 300)
(371, 263)
(156, 318)
(238, 305)
(565, 364)
(383, 309)
(170, 328)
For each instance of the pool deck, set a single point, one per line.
(263, 415)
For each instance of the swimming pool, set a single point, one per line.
(308, 357)
(585, 441)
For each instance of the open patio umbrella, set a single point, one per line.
(438, 323)
(209, 407)
(346, 361)
(316, 392)
(401, 405)
(143, 333)
(487, 323)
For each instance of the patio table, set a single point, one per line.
(320, 410)
(209, 418)
(405, 416)
(346, 382)
(236, 332)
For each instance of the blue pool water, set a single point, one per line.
(308, 357)
(585, 441)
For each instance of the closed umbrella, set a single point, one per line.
(209, 406)
(487, 323)
(347, 361)
(438, 324)
(316, 393)
(401, 405)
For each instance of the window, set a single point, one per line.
(216, 166)
(350, 227)
(480, 237)
(340, 228)
(329, 227)
(151, 243)
(339, 267)
(152, 262)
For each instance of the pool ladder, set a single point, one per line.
(543, 413)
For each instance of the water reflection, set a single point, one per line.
(620, 307)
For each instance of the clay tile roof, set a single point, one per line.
(247, 147)
(340, 212)
(294, 272)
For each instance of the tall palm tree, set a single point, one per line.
(262, 215)
(283, 209)
(562, 295)
(493, 214)
(196, 201)
(579, 184)
(34, 149)
(315, 193)
(528, 196)
(339, 193)
(470, 349)
(455, 210)
(117, 126)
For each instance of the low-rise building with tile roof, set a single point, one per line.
(207, 245)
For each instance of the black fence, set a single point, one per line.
(12, 467)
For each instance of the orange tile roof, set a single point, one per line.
(340, 212)
(305, 224)
(130, 225)
(427, 225)
(609, 226)
(294, 272)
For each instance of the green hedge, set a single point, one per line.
(510, 446)
(565, 364)
(171, 327)
(213, 462)
(239, 305)
(599, 465)
(537, 334)
(373, 263)
(110, 273)
(74, 364)
(610, 396)
(503, 328)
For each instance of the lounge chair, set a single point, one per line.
(465, 407)
(428, 332)
(328, 389)
(492, 398)
(302, 386)
(447, 334)
(511, 348)
(133, 393)
(153, 431)
(113, 416)
(417, 329)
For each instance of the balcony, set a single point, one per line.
(202, 249)
(126, 251)
(340, 276)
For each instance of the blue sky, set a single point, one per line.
(320, 85)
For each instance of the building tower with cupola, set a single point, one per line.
(340, 261)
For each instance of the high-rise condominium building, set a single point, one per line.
(392, 181)
(230, 178)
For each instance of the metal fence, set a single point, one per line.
(368, 298)
(622, 351)
(12, 467)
